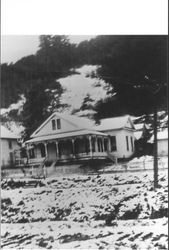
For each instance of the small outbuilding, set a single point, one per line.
(162, 142)
(9, 143)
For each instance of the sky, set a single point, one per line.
(79, 85)
(14, 47)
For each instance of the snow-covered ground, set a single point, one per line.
(107, 211)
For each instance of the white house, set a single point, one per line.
(162, 142)
(63, 138)
(66, 138)
(9, 144)
(121, 135)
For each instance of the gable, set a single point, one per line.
(51, 126)
(60, 123)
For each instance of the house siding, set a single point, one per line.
(163, 147)
(121, 146)
(6, 151)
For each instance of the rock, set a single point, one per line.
(21, 203)
(23, 220)
(5, 202)
(42, 243)
(131, 214)
(162, 212)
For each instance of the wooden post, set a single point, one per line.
(155, 149)
(57, 149)
(35, 150)
(46, 151)
(109, 145)
(96, 144)
(103, 144)
(90, 145)
(27, 154)
(73, 147)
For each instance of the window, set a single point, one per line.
(53, 125)
(11, 157)
(113, 143)
(58, 124)
(42, 150)
(10, 144)
(31, 153)
(127, 143)
(132, 146)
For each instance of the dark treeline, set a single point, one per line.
(53, 60)
(135, 66)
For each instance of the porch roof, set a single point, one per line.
(65, 135)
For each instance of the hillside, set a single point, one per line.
(131, 70)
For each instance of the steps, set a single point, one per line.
(112, 157)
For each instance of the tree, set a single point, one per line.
(136, 68)
(40, 103)
(87, 103)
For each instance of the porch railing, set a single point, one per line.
(33, 161)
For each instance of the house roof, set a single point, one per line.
(139, 126)
(78, 122)
(113, 123)
(6, 133)
(65, 135)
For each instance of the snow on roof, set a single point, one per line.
(138, 134)
(6, 133)
(133, 118)
(112, 123)
(161, 135)
(139, 126)
(66, 135)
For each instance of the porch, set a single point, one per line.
(68, 149)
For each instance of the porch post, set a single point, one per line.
(46, 150)
(103, 144)
(35, 150)
(109, 145)
(27, 153)
(73, 147)
(90, 145)
(96, 144)
(57, 149)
